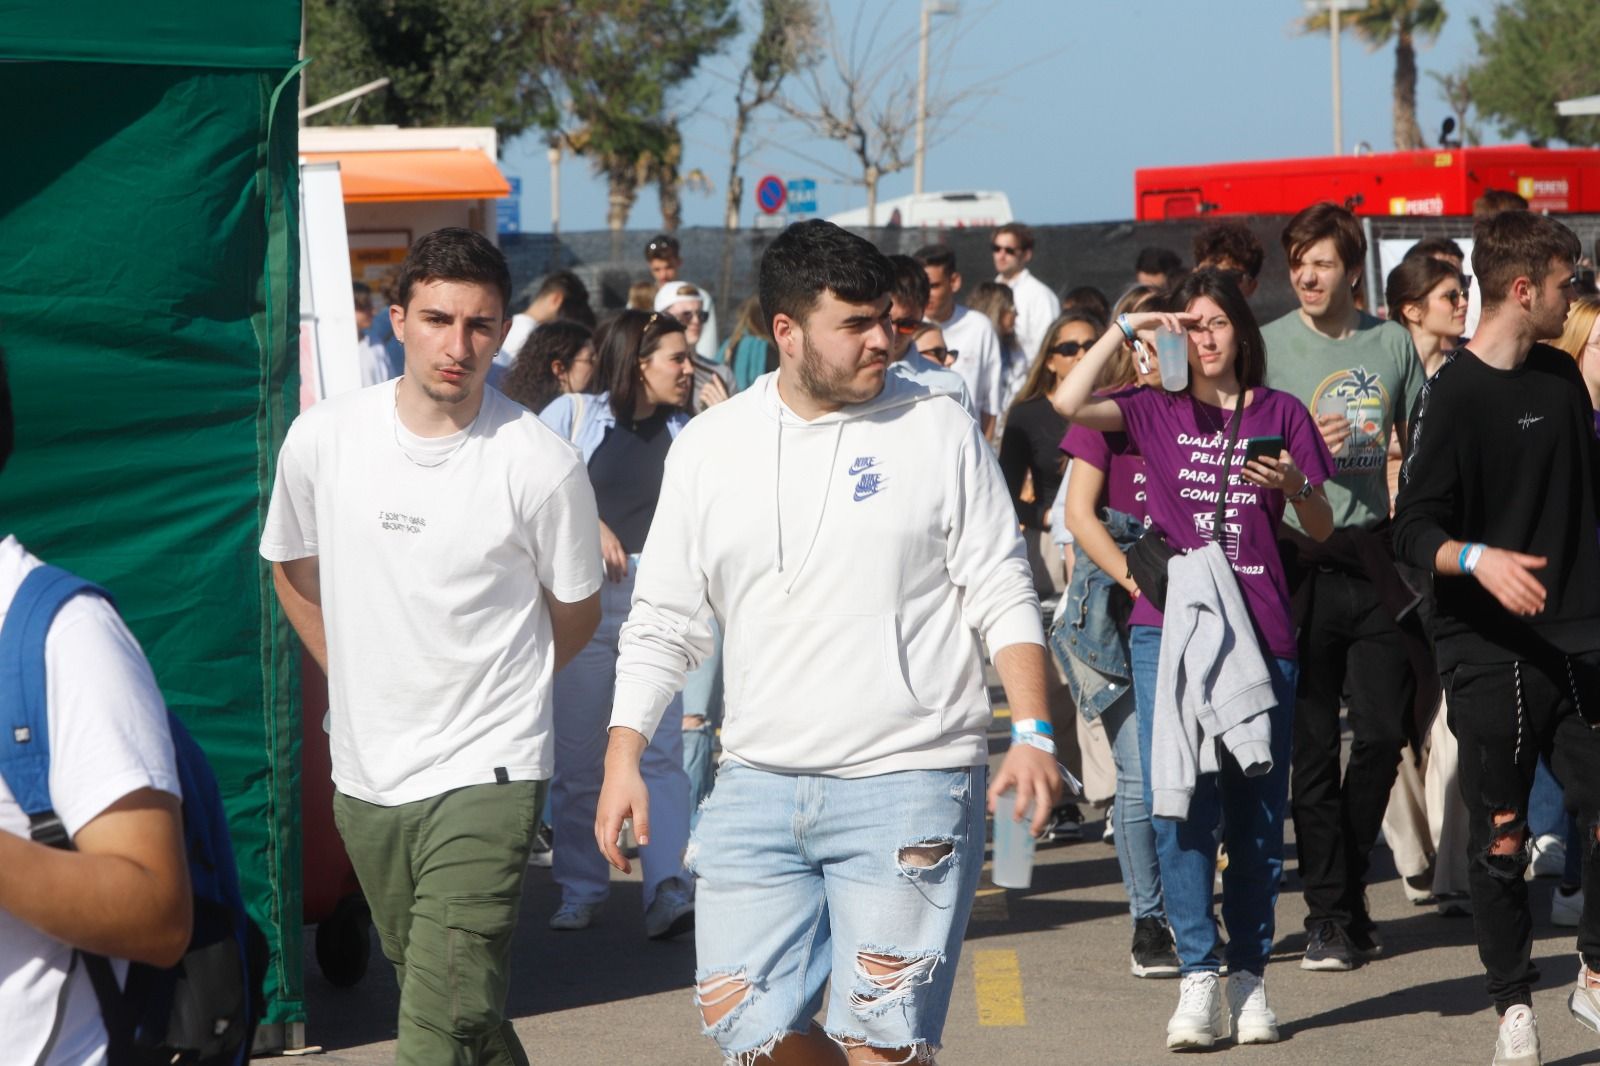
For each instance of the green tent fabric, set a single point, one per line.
(149, 312)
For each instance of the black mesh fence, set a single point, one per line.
(1101, 254)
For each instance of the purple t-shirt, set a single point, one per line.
(1183, 442)
(1115, 457)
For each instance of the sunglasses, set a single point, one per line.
(660, 250)
(1070, 349)
(1004, 249)
(1455, 296)
(939, 354)
(905, 326)
(689, 317)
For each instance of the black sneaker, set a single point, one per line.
(1364, 937)
(1066, 823)
(1153, 954)
(1328, 948)
(543, 846)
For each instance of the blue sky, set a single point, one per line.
(1078, 94)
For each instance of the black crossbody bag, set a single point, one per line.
(1149, 555)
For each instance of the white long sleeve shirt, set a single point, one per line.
(1037, 307)
(857, 564)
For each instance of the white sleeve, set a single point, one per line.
(565, 532)
(108, 723)
(668, 631)
(290, 531)
(991, 368)
(985, 555)
(1060, 535)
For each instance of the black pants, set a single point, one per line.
(1505, 715)
(1349, 643)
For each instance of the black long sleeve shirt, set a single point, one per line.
(1506, 458)
(1031, 443)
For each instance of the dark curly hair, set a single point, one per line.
(532, 380)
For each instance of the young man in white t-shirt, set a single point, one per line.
(438, 551)
(1037, 305)
(965, 330)
(123, 892)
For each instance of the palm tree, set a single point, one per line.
(1404, 21)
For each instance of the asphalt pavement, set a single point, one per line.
(1043, 979)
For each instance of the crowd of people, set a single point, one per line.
(1235, 540)
(737, 601)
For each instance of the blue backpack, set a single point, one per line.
(202, 1011)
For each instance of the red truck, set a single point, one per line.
(1425, 183)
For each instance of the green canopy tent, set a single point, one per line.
(149, 312)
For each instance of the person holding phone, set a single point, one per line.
(1182, 436)
(1358, 633)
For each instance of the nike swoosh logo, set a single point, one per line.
(862, 464)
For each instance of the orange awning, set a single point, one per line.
(416, 174)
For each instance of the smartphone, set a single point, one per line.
(1259, 446)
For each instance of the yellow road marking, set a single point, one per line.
(990, 906)
(999, 980)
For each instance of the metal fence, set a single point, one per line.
(1101, 254)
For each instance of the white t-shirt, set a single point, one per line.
(432, 554)
(978, 358)
(1037, 307)
(108, 738)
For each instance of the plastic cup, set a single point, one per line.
(1013, 843)
(1172, 352)
(1333, 405)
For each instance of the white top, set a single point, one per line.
(108, 738)
(978, 356)
(522, 327)
(374, 359)
(432, 554)
(1037, 307)
(858, 563)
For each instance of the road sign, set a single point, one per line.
(770, 194)
(508, 212)
(802, 197)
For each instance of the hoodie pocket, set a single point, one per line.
(822, 691)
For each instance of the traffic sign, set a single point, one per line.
(508, 212)
(802, 197)
(770, 194)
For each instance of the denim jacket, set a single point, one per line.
(1090, 637)
(585, 419)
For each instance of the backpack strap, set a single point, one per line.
(24, 712)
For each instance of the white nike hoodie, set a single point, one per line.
(854, 563)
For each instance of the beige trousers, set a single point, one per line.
(1426, 822)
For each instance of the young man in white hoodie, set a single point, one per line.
(846, 832)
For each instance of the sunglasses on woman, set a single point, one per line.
(690, 317)
(1070, 349)
(940, 354)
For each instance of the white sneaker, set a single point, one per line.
(1109, 834)
(1584, 1003)
(1253, 1020)
(1566, 910)
(1518, 1042)
(671, 913)
(1549, 857)
(1199, 1020)
(570, 917)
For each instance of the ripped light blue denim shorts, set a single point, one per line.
(869, 881)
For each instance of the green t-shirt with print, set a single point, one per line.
(1376, 373)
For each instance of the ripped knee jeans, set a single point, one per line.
(1505, 715)
(802, 878)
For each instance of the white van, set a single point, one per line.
(935, 210)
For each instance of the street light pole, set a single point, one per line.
(1338, 87)
(930, 8)
(1335, 8)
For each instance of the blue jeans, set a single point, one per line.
(1251, 811)
(798, 876)
(1130, 815)
(702, 698)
